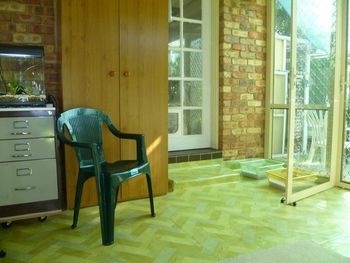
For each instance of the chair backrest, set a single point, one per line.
(83, 125)
(318, 121)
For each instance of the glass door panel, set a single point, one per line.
(314, 85)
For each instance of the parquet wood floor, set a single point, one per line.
(204, 223)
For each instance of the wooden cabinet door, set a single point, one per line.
(90, 73)
(143, 88)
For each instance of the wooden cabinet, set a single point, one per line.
(30, 183)
(114, 58)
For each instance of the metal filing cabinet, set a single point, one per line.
(30, 183)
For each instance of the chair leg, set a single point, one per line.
(107, 209)
(116, 197)
(150, 193)
(78, 193)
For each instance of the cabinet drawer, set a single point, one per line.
(27, 149)
(29, 181)
(26, 127)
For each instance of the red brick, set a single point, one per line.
(48, 2)
(5, 37)
(240, 47)
(28, 19)
(5, 17)
(257, 35)
(31, 2)
(241, 19)
(35, 10)
(4, 27)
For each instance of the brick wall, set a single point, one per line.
(32, 22)
(242, 78)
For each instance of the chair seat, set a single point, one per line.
(122, 166)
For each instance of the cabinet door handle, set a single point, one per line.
(126, 74)
(21, 155)
(20, 133)
(26, 188)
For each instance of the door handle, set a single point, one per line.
(21, 155)
(20, 133)
(21, 124)
(26, 188)
(112, 73)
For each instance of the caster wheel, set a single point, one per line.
(283, 200)
(42, 218)
(294, 204)
(2, 253)
(6, 224)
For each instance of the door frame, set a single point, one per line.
(344, 82)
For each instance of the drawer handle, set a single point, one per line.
(20, 133)
(21, 124)
(21, 155)
(22, 147)
(24, 171)
(26, 188)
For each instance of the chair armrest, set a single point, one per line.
(94, 153)
(139, 138)
(74, 144)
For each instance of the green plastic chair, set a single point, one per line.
(85, 128)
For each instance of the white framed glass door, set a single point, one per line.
(300, 115)
(189, 82)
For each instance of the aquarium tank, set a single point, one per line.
(22, 76)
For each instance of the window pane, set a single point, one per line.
(192, 122)
(315, 51)
(173, 122)
(279, 134)
(174, 93)
(283, 23)
(174, 34)
(280, 88)
(193, 35)
(175, 8)
(282, 51)
(193, 93)
(193, 64)
(174, 63)
(193, 9)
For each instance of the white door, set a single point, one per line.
(189, 108)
